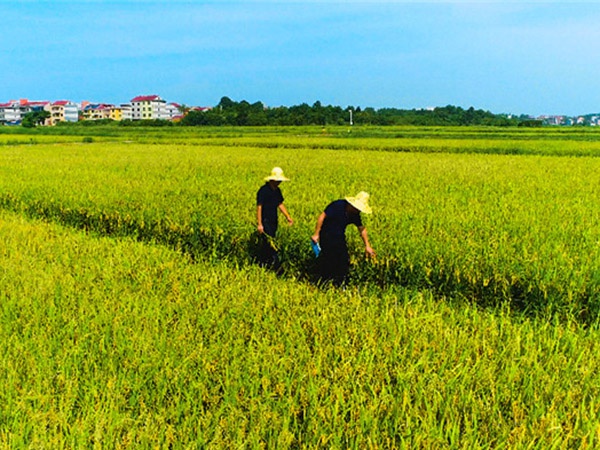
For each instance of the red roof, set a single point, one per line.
(145, 98)
(61, 102)
(42, 103)
(25, 102)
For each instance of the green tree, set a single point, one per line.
(183, 109)
(35, 118)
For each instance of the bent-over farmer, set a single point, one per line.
(330, 233)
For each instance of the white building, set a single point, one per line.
(147, 107)
(13, 112)
(10, 113)
(169, 111)
(126, 111)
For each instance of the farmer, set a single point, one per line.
(269, 199)
(330, 233)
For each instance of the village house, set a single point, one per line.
(152, 107)
(126, 111)
(12, 112)
(146, 107)
(9, 113)
(115, 113)
(143, 107)
(96, 111)
(62, 111)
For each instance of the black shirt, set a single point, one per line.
(336, 221)
(270, 199)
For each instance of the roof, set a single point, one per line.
(42, 103)
(146, 98)
(97, 106)
(25, 102)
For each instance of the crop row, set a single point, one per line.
(484, 140)
(113, 344)
(409, 144)
(490, 228)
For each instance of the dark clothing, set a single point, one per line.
(270, 199)
(267, 255)
(336, 220)
(334, 260)
(333, 263)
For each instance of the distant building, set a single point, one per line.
(26, 106)
(115, 113)
(126, 112)
(170, 111)
(552, 120)
(147, 107)
(12, 112)
(62, 111)
(143, 107)
(96, 111)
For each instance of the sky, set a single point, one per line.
(513, 57)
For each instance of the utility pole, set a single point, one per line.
(351, 123)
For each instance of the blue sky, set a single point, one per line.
(517, 57)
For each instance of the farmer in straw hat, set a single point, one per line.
(330, 233)
(269, 199)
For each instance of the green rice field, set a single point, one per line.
(133, 315)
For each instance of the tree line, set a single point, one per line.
(243, 113)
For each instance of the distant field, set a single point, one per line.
(491, 228)
(132, 314)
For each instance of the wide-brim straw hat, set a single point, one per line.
(276, 175)
(360, 202)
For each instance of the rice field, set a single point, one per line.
(133, 315)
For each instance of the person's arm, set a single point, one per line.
(315, 237)
(363, 234)
(285, 212)
(259, 227)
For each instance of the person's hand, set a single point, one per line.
(260, 229)
(315, 238)
(370, 252)
(290, 221)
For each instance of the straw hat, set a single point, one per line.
(360, 202)
(277, 175)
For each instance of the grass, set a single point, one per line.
(117, 344)
(489, 228)
(131, 316)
